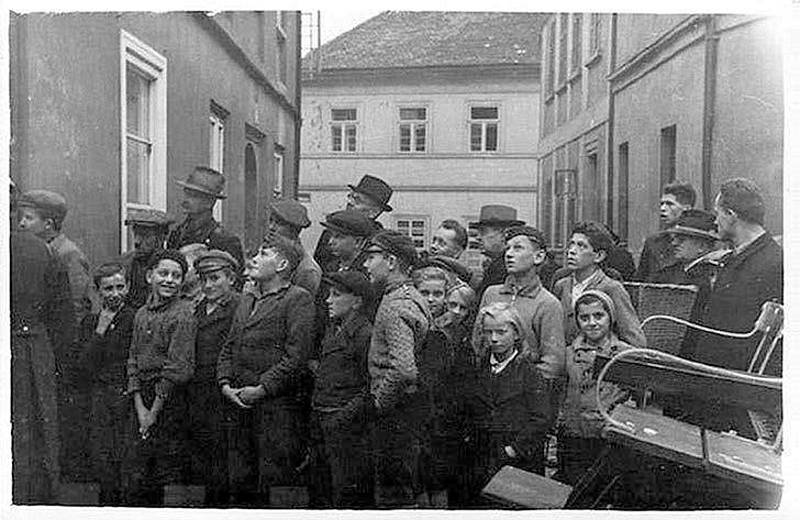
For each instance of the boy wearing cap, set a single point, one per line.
(288, 218)
(348, 231)
(401, 325)
(200, 192)
(340, 389)
(588, 248)
(214, 312)
(260, 370)
(493, 221)
(149, 228)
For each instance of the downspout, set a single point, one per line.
(298, 118)
(612, 58)
(709, 102)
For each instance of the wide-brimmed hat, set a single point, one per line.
(497, 215)
(376, 189)
(292, 212)
(695, 223)
(205, 180)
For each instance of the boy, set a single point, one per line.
(105, 338)
(160, 362)
(588, 248)
(260, 370)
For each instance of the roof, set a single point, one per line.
(400, 39)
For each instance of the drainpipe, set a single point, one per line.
(612, 59)
(709, 101)
(298, 119)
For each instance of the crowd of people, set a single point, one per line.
(367, 373)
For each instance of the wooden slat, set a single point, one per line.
(516, 488)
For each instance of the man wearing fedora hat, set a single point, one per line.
(693, 236)
(200, 192)
(370, 197)
(492, 222)
(288, 218)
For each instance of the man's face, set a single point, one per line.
(280, 227)
(581, 254)
(726, 220)
(165, 278)
(343, 246)
(378, 265)
(501, 336)
(147, 238)
(112, 291)
(265, 264)
(195, 202)
(341, 303)
(216, 284)
(522, 255)
(688, 248)
(671, 209)
(444, 243)
(433, 291)
(492, 240)
(363, 204)
(31, 220)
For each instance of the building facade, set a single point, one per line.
(110, 109)
(450, 122)
(635, 101)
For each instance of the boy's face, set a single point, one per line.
(216, 284)
(457, 305)
(343, 246)
(165, 278)
(670, 209)
(378, 265)
(31, 220)
(265, 264)
(594, 321)
(341, 303)
(522, 255)
(433, 291)
(501, 336)
(112, 291)
(581, 254)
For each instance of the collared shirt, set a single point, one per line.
(741, 247)
(579, 287)
(499, 366)
(259, 297)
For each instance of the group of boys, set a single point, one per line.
(365, 373)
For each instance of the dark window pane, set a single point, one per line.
(405, 138)
(336, 138)
(419, 138)
(343, 114)
(483, 113)
(491, 137)
(412, 114)
(351, 138)
(475, 137)
(138, 171)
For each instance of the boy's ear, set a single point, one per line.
(601, 256)
(539, 256)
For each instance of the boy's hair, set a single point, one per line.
(461, 233)
(168, 254)
(429, 273)
(287, 249)
(107, 269)
(682, 191)
(743, 197)
(597, 235)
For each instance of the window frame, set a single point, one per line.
(550, 61)
(278, 155)
(344, 124)
(216, 149)
(593, 43)
(410, 218)
(576, 46)
(152, 65)
(281, 50)
(414, 123)
(483, 123)
(563, 51)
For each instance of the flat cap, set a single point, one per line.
(147, 217)
(448, 264)
(394, 243)
(531, 232)
(291, 212)
(353, 282)
(214, 260)
(51, 204)
(349, 222)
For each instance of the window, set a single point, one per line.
(281, 48)
(483, 129)
(547, 199)
(577, 42)
(551, 59)
(565, 205)
(623, 191)
(413, 129)
(143, 115)
(473, 256)
(277, 190)
(562, 48)
(343, 129)
(668, 136)
(414, 227)
(216, 149)
(594, 35)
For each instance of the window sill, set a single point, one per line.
(574, 75)
(593, 59)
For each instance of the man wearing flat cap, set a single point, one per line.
(493, 220)
(348, 231)
(149, 228)
(401, 326)
(201, 190)
(370, 197)
(217, 271)
(288, 218)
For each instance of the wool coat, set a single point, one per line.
(206, 231)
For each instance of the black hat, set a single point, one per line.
(353, 282)
(205, 180)
(214, 260)
(696, 223)
(497, 215)
(349, 222)
(448, 264)
(376, 189)
(395, 243)
(292, 212)
(531, 232)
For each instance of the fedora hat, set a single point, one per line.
(376, 189)
(205, 180)
(497, 215)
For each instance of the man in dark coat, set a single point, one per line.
(751, 274)
(40, 311)
(149, 228)
(200, 192)
(288, 218)
(492, 222)
(370, 197)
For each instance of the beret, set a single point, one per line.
(51, 204)
(291, 212)
(349, 222)
(531, 232)
(147, 217)
(214, 260)
(395, 243)
(353, 282)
